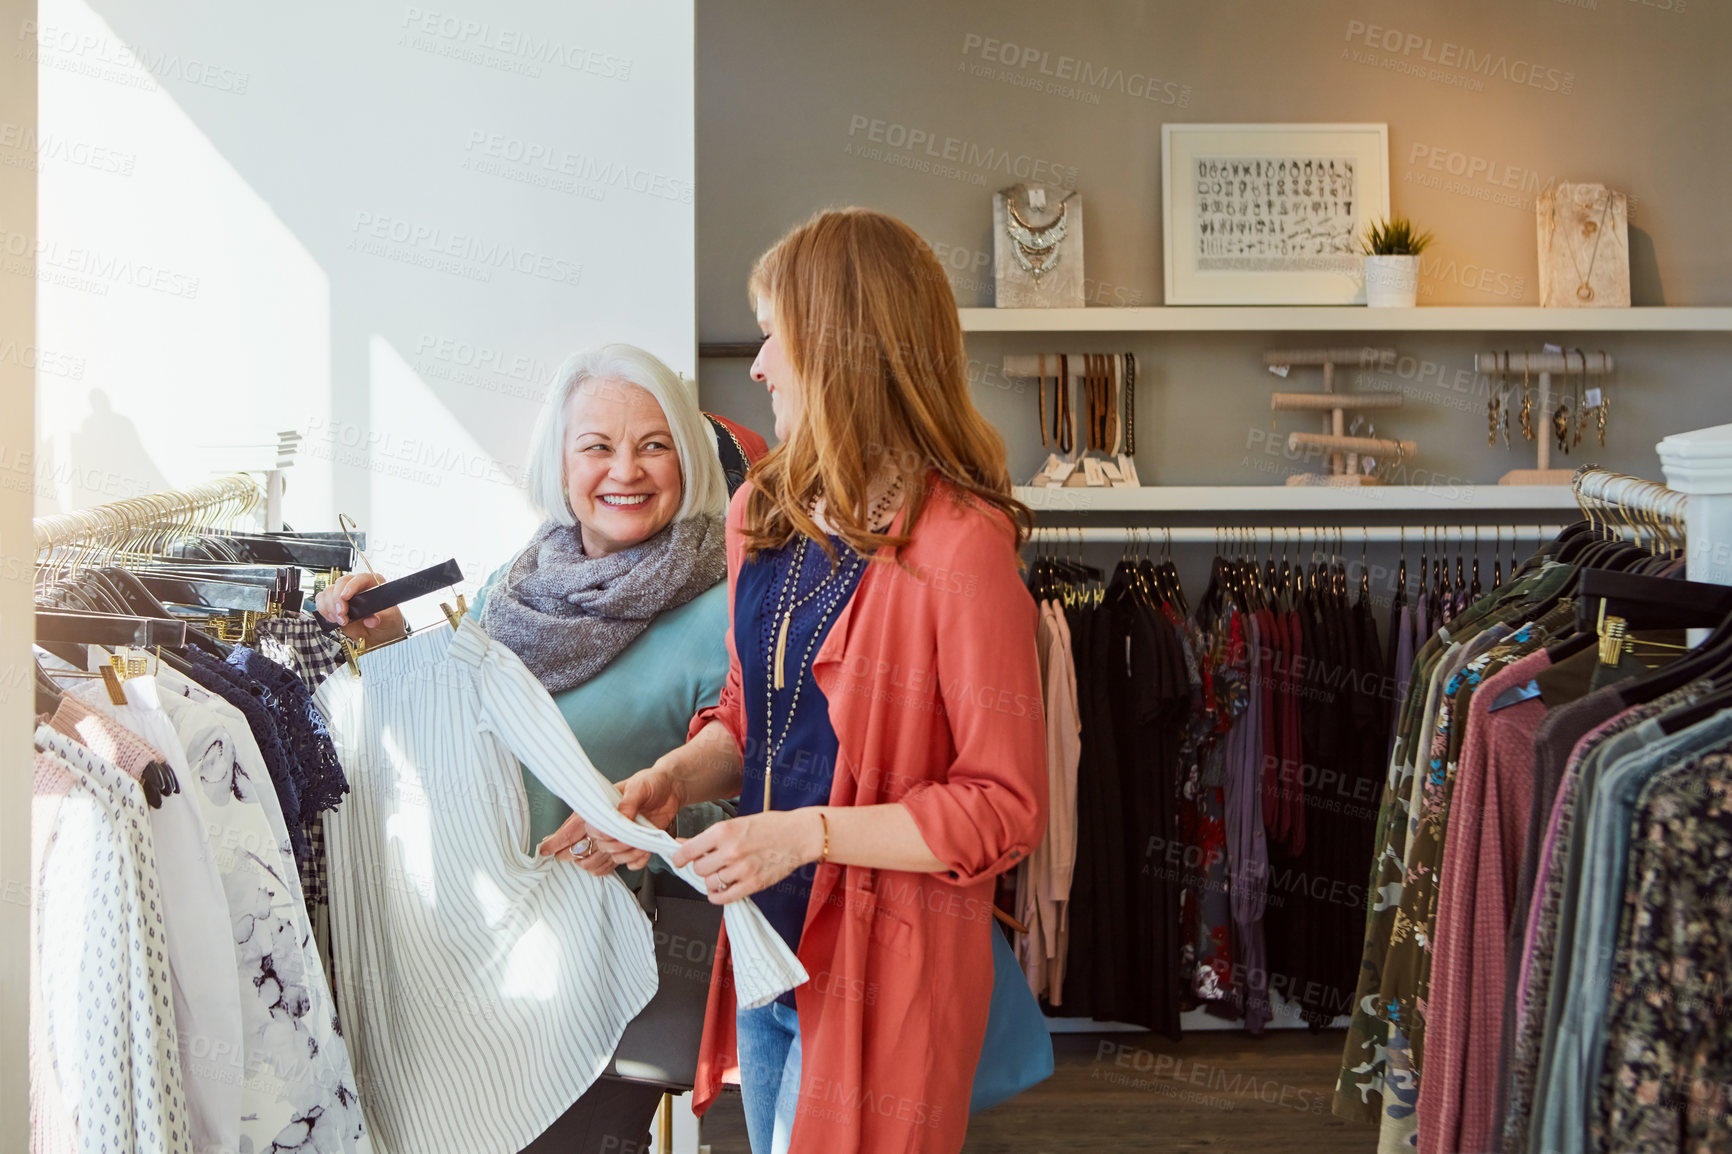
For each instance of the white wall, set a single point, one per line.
(381, 225)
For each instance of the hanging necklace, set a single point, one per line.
(1494, 405)
(773, 742)
(1036, 249)
(1584, 291)
(1581, 414)
(1527, 403)
(1040, 382)
(1064, 427)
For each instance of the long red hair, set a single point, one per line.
(869, 324)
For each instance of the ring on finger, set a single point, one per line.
(582, 848)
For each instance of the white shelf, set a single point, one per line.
(1298, 499)
(1346, 319)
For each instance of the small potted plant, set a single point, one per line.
(1392, 251)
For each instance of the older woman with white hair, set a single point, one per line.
(618, 604)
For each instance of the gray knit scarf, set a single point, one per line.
(567, 615)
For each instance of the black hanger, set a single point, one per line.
(132, 593)
(355, 537)
(1209, 604)
(1421, 595)
(47, 693)
(1473, 589)
(243, 572)
(1649, 603)
(1712, 660)
(137, 598)
(207, 594)
(1573, 539)
(1399, 601)
(110, 629)
(278, 549)
(394, 593)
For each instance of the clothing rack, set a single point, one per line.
(1635, 501)
(1204, 535)
(106, 529)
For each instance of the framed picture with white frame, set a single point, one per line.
(1270, 214)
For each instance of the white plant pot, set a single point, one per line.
(1391, 282)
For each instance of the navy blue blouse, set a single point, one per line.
(805, 744)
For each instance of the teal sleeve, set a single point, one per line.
(486, 588)
(711, 675)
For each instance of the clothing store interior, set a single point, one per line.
(465, 707)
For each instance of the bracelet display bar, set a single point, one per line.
(1344, 450)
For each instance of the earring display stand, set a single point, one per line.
(1543, 364)
(1344, 450)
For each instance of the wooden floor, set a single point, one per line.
(1217, 1091)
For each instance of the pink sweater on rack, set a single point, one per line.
(1488, 817)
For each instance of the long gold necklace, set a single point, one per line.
(777, 655)
(1585, 291)
(772, 742)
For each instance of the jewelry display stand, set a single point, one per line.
(1344, 451)
(1584, 247)
(1544, 364)
(1037, 234)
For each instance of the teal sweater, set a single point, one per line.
(640, 706)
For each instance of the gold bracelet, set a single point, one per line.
(824, 854)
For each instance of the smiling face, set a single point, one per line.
(622, 472)
(774, 370)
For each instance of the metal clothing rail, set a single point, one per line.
(1633, 500)
(106, 529)
(1227, 535)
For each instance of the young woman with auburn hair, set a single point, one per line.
(881, 720)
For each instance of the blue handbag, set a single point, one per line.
(1017, 1052)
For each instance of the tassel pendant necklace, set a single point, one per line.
(782, 646)
(787, 601)
(773, 742)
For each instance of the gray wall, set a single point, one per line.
(1637, 99)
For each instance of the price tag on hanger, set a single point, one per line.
(1515, 695)
(1037, 198)
(1593, 396)
(1278, 370)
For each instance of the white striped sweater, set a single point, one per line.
(481, 988)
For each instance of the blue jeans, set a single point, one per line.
(768, 1039)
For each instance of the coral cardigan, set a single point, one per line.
(933, 687)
